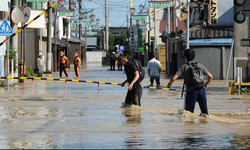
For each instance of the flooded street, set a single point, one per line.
(53, 117)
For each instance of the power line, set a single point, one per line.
(117, 3)
(123, 23)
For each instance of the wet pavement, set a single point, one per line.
(52, 117)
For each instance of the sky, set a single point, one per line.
(118, 10)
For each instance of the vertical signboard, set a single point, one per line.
(213, 11)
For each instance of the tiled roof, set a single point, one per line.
(204, 32)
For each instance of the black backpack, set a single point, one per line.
(140, 69)
(195, 75)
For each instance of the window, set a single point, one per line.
(33, 5)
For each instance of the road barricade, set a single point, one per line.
(86, 81)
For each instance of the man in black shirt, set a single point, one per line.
(134, 93)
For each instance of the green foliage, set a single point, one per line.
(114, 39)
(244, 90)
(111, 49)
(12, 53)
(29, 71)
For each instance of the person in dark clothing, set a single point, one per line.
(193, 94)
(63, 62)
(112, 60)
(134, 93)
(137, 56)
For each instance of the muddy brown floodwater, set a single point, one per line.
(83, 119)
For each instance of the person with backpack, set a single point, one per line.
(193, 73)
(132, 70)
(62, 64)
(77, 63)
(154, 70)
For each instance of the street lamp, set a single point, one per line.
(85, 15)
(92, 17)
(62, 2)
(132, 11)
(72, 5)
(97, 21)
(141, 8)
(137, 22)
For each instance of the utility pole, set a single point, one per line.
(149, 36)
(84, 62)
(23, 44)
(176, 20)
(49, 43)
(80, 33)
(80, 18)
(155, 38)
(128, 28)
(55, 41)
(14, 40)
(106, 26)
(168, 41)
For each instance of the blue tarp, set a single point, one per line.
(211, 42)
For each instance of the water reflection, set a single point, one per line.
(133, 116)
(193, 142)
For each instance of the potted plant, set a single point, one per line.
(12, 57)
(29, 72)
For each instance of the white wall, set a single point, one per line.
(95, 56)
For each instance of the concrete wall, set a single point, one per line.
(95, 57)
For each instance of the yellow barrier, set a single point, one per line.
(232, 86)
(87, 81)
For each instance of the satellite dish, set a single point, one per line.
(17, 15)
(27, 11)
(181, 12)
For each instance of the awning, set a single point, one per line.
(60, 42)
(91, 47)
(74, 40)
(211, 42)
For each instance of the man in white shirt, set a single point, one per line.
(40, 65)
(154, 70)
